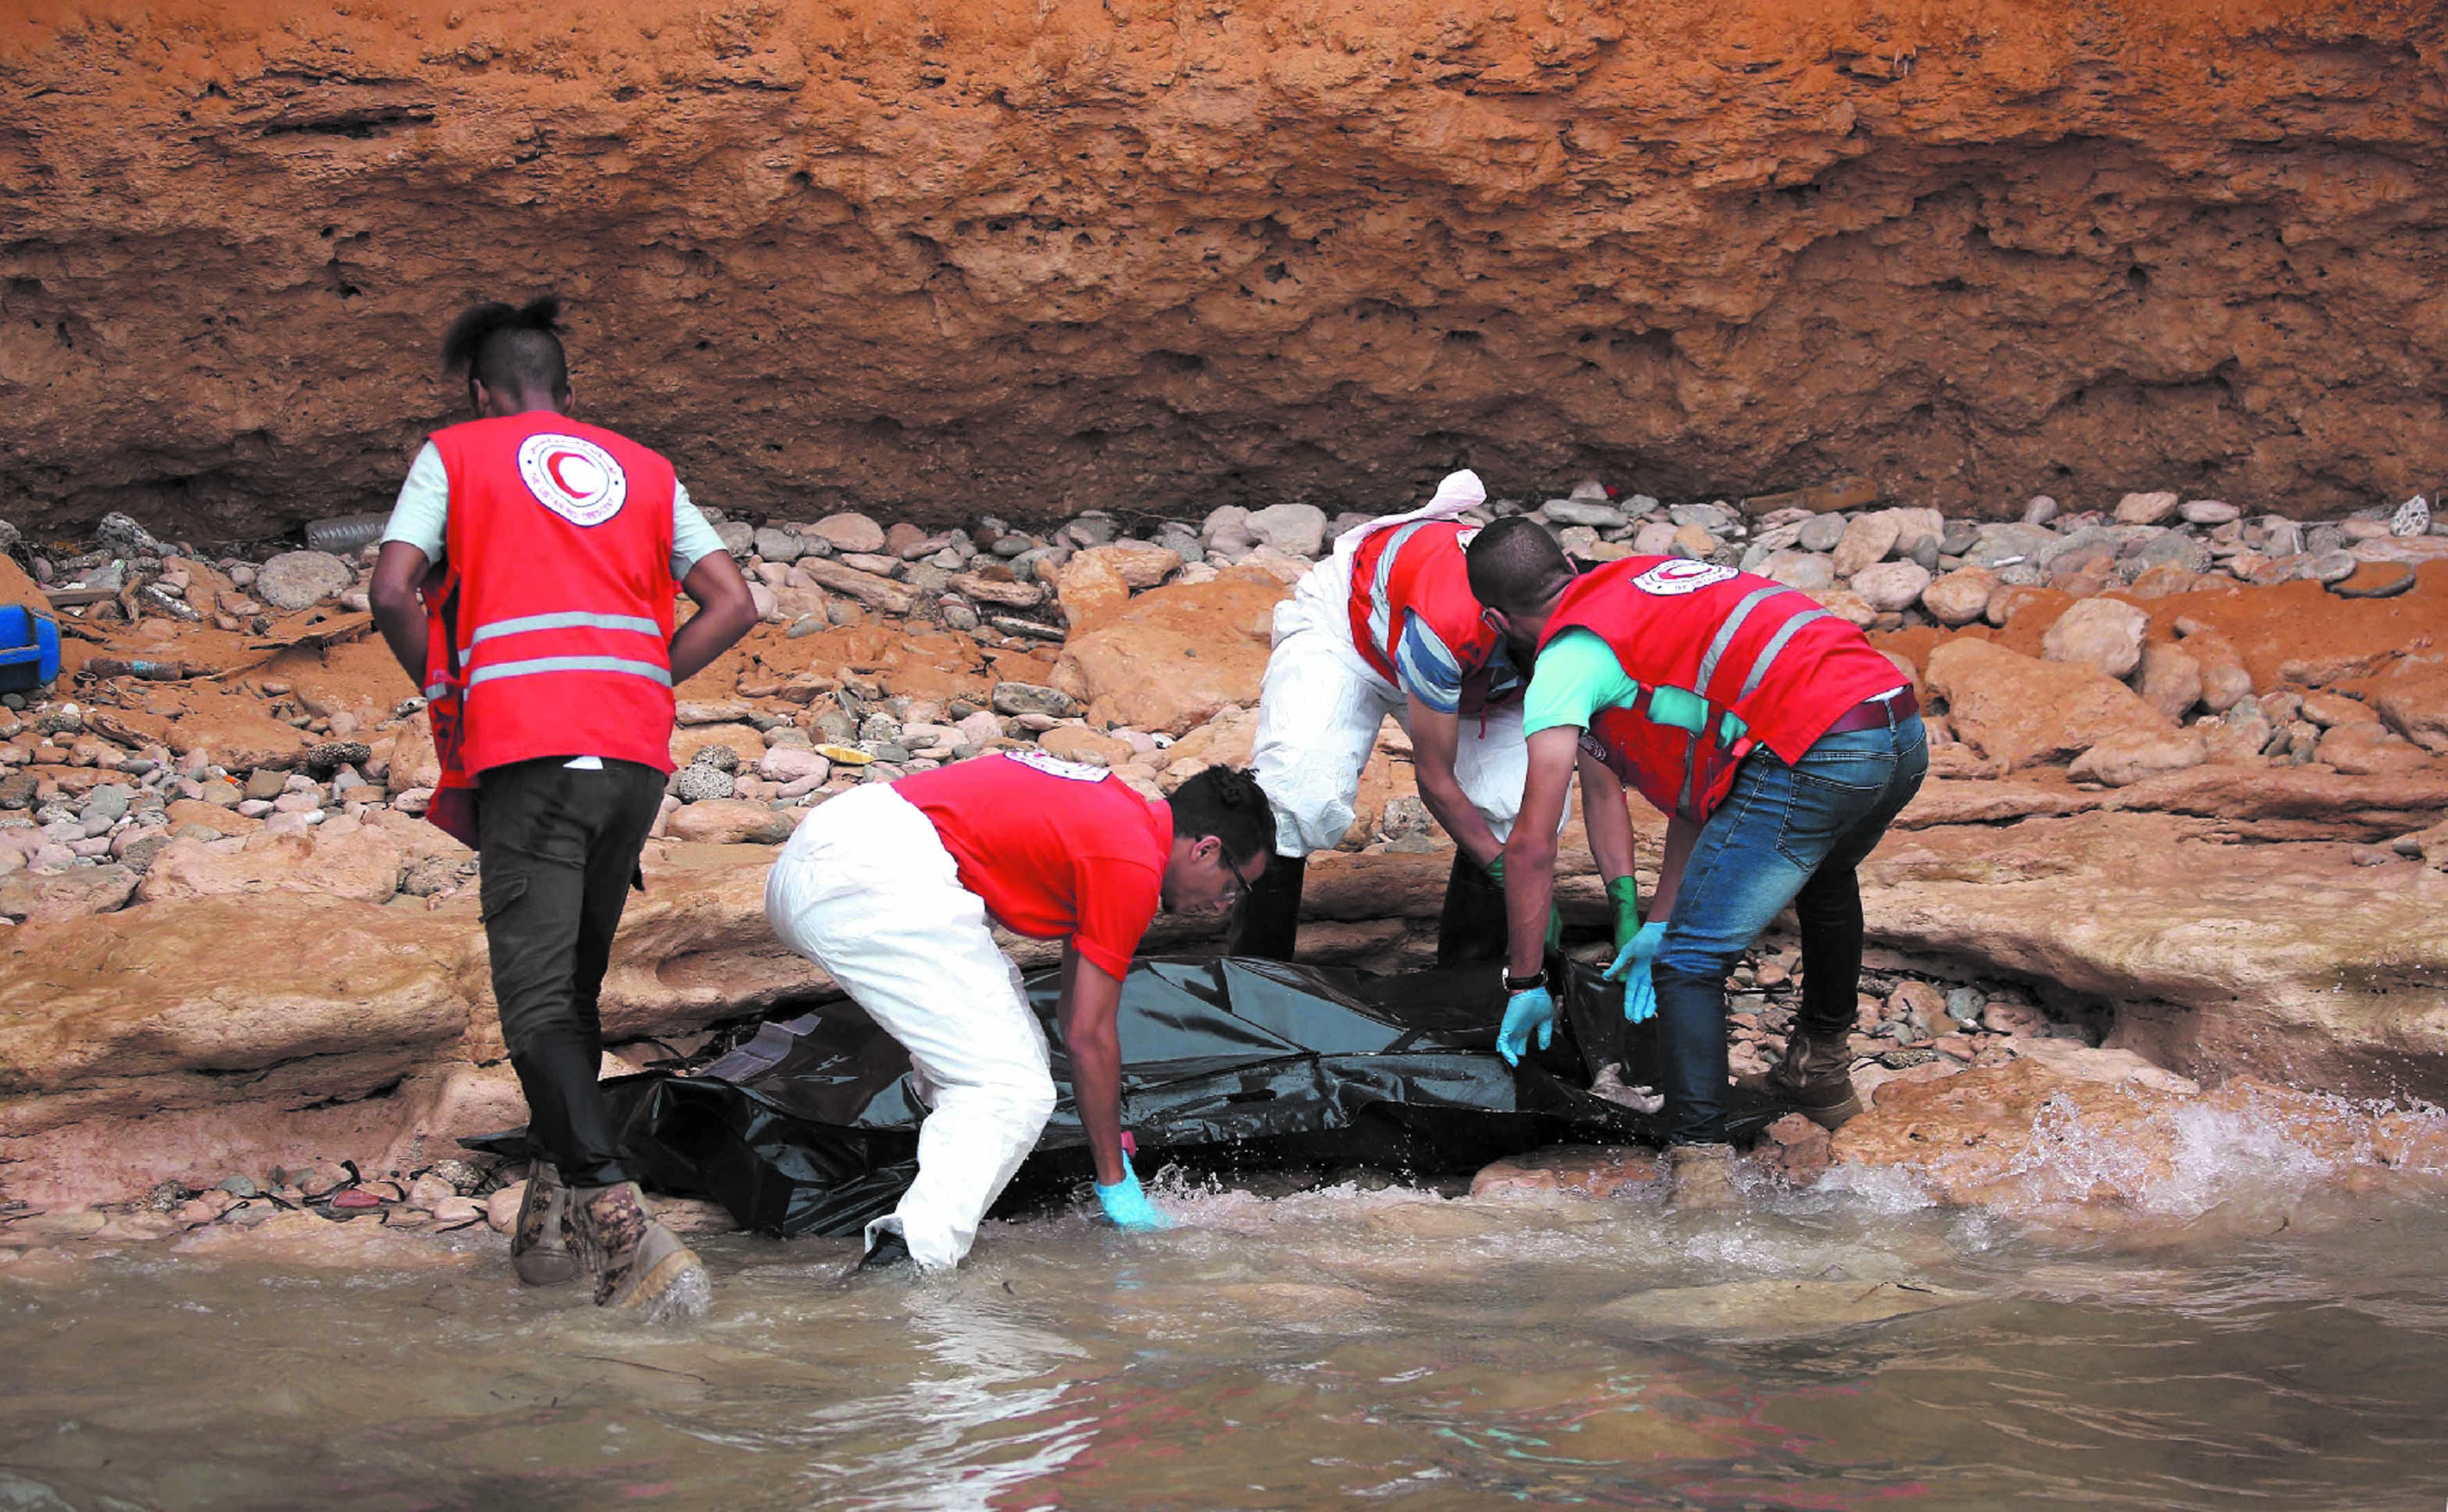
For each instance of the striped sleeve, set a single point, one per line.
(1426, 668)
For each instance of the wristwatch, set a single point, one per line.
(1524, 984)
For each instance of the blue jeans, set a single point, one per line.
(1784, 835)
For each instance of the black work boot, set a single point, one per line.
(1471, 926)
(642, 1269)
(1815, 1079)
(1266, 925)
(540, 1248)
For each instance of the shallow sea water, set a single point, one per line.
(1837, 1350)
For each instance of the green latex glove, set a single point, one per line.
(1555, 919)
(1625, 894)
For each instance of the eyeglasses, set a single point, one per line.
(1236, 886)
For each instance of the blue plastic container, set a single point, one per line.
(29, 649)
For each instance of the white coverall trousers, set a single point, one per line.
(867, 891)
(1319, 712)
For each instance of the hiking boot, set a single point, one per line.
(1703, 1179)
(1815, 1079)
(539, 1247)
(642, 1269)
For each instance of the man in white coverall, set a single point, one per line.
(891, 887)
(1387, 625)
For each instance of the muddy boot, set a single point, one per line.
(642, 1269)
(1703, 1179)
(1815, 1079)
(1266, 925)
(540, 1248)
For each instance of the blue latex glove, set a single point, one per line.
(1129, 1207)
(1630, 968)
(1533, 1008)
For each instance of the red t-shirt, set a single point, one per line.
(1055, 849)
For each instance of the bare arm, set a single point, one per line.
(1435, 737)
(1681, 833)
(1091, 997)
(399, 609)
(1530, 852)
(1608, 818)
(725, 611)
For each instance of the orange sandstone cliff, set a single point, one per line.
(1029, 256)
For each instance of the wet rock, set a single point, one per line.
(301, 580)
(1780, 1307)
(2102, 632)
(1578, 1170)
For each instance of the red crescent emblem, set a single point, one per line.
(553, 467)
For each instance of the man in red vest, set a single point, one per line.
(525, 581)
(1387, 625)
(892, 888)
(1778, 743)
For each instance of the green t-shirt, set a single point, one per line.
(1578, 674)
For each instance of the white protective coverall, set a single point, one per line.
(1321, 706)
(866, 890)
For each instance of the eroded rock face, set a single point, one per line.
(1111, 256)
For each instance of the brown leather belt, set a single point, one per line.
(1876, 713)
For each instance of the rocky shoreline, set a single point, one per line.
(2183, 836)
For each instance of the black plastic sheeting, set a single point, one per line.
(1228, 1065)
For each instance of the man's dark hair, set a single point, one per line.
(1516, 566)
(1227, 803)
(510, 350)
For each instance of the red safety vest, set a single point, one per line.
(1754, 661)
(1418, 568)
(550, 620)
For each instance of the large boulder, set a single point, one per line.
(1173, 657)
(2024, 712)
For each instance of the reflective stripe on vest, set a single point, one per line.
(571, 664)
(1381, 614)
(573, 620)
